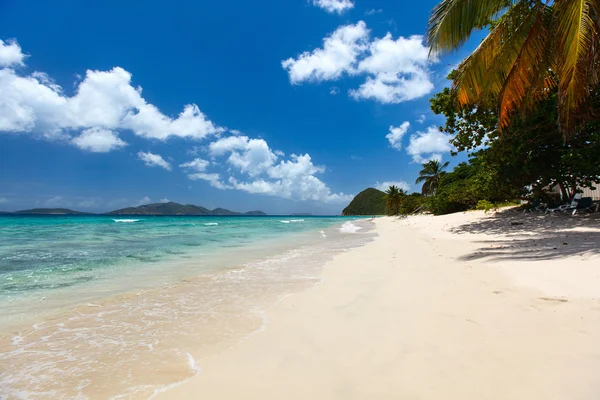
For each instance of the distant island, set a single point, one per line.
(368, 202)
(172, 208)
(169, 208)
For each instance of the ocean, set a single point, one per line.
(126, 307)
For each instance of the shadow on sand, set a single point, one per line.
(534, 237)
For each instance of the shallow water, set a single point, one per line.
(149, 310)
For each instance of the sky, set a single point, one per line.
(283, 106)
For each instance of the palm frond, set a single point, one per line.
(451, 22)
(577, 30)
(483, 73)
(520, 83)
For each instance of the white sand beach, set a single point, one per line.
(463, 306)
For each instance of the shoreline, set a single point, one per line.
(155, 335)
(463, 306)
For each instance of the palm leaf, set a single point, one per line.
(577, 30)
(523, 81)
(451, 22)
(483, 73)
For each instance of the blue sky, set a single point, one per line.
(284, 106)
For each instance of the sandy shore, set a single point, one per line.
(465, 306)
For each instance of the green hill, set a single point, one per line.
(255, 212)
(172, 208)
(368, 202)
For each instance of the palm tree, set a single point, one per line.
(393, 198)
(431, 175)
(533, 47)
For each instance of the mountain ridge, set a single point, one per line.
(170, 208)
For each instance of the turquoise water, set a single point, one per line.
(44, 253)
(150, 297)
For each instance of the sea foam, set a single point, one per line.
(349, 227)
(211, 224)
(126, 220)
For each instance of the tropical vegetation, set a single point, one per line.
(393, 198)
(534, 49)
(431, 175)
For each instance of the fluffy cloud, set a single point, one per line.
(104, 101)
(421, 118)
(338, 55)
(334, 6)
(154, 160)
(255, 168)
(98, 140)
(10, 54)
(383, 186)
(395, 70)
(398, 70)
(196, 165)
(164, 201)
(3, 200)
(428, 145)
(396, 134)
(195, 170)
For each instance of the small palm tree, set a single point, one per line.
(393, 198)
(532, 47)
(431, 175)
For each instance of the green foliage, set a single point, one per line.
(519, 162)
(411, 203)
(394, 198)
(430, 175)
(485, 205)
(368, 202)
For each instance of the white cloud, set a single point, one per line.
(195, 170)
(251, 156)
(334, 91)
(374, 11)
(143, 201)
(255, 168)
(164, 201)
(395, 70)
(98, 140)
(399, 69)
(421, 118)
(196, 165)
(396, 134)
(10, 54)
(3, 200)
(334, 6)
(103, 100)
(383, 186)
(428, 145)
(338, 55)
(154, 160)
